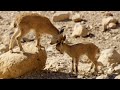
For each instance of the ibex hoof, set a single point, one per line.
(71, 72)
(11, 51)
(77, 74)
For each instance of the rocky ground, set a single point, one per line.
(58, 66)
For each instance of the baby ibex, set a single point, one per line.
(26, 22)
(75, 51)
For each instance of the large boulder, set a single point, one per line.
(109, 57)
(15, 64)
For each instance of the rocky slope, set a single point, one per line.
(58, 66)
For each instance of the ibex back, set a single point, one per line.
(75, 51)
(26, 22)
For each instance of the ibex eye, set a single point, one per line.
(58, 41)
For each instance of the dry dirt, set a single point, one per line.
(58, 66)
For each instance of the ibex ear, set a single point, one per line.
(61, 31)
(64, 38)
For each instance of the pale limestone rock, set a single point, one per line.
(109, 57)
(79, 30)
(107, 20)
(15, 64)
(111, 26)
(102, 77)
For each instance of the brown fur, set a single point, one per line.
(33, 21)
(75, 51)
